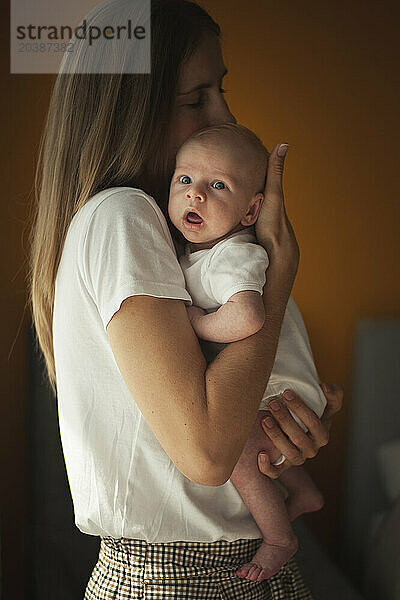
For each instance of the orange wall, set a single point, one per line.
(23, 105)
(319, 75)
(322, 76)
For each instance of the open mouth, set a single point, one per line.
(193, 217)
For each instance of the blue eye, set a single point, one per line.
(219, 184)
(184, 177)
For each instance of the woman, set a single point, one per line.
(147, 450)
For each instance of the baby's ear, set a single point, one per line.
(253, 210)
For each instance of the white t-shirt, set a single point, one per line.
(123, 483)
(238, 263)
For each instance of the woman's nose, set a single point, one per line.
(223, 114)
(229, 117)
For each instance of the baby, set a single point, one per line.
(216, 193)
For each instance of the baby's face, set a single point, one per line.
(209, 192)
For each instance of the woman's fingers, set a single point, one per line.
(271, 223)
(287, 435)
(267, 469)
(273, 187)
(289, 438)
(317, 431)
(334, 400)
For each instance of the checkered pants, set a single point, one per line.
(129, 569)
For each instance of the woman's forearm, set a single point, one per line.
(236, 379)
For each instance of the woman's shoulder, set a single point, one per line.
(120, 208)
(118, 212)
(121, 199)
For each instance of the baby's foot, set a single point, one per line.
(267, 561)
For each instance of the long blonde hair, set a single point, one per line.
(105, 130)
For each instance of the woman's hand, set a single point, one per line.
(300, 445)
(273, 228)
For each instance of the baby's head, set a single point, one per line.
(218, 184)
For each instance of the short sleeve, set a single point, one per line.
(235, 267)
(127, 251)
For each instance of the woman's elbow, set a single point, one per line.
(212, 476)
(211, 480)
(199, 467)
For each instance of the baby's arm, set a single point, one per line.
(241, 316)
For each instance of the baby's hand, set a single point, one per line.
(194, 312)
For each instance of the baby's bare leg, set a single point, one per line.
(304, 496)
(266, 504)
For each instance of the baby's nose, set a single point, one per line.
(199, 196)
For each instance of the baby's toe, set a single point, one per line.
(262, 575)
(243, 570)
(254, 572)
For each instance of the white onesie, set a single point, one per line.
(239, 263)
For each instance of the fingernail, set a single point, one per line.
(328, 388)
(283, 149)
(269, 422)
(275, 405)
(289, 395)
